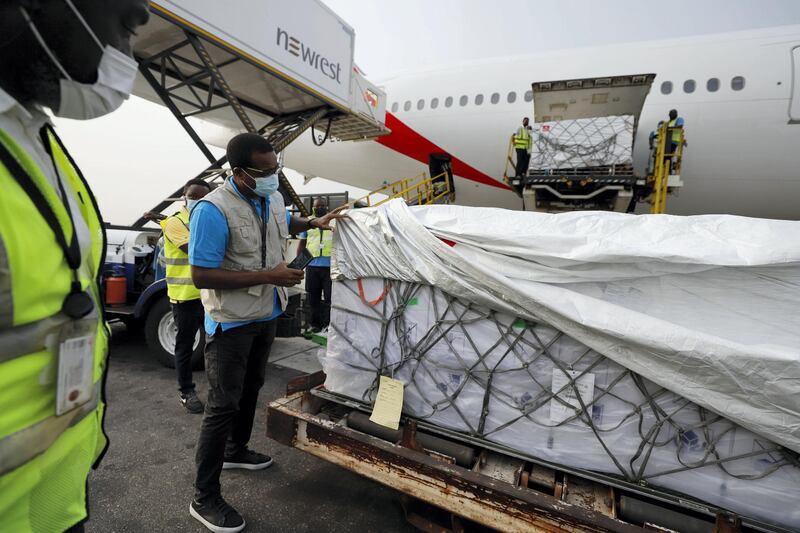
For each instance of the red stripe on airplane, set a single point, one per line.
(408, 142)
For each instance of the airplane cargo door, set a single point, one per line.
(794, 104)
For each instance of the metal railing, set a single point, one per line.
(510, 162)
(416, 190)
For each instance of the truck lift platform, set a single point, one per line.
(263, 66)
(553, 187)
(473, 483)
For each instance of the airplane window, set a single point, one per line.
(478, 99)
(495, 97)
(448, 101)
(737, 83)
(395, 107)
(512, 97)
(688, 86)
(434, 103)
(420, 104)
(463, 100)
(407, 105)
(666, 87)
(528, 96)
(712, 85)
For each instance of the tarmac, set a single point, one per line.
(144, 482)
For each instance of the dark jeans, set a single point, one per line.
(188, 319)
(236, 362)
(523, 158)
(318, 281)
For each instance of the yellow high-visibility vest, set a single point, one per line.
(180, 286)
(319, 246)
(522, 139)
(676, 134)
(45, 458)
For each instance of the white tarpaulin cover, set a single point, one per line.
(583, 142)
(705, 306)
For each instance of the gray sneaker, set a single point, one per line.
(191, 402)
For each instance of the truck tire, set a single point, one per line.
(160, 331)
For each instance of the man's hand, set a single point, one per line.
(155, 217)
(325, 222)
(284, 276)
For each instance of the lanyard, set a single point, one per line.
(77, 303)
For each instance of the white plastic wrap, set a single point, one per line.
(583, 142)
(704, 306)
(487, 374)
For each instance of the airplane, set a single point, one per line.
(738, 92)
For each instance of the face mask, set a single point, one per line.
(264, 186)
(320, 211)
(115, 76)
(190, 204)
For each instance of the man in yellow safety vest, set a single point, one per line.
(187, 310)
(318, 274)
(522, 145)
(73, 57)
(674, 136)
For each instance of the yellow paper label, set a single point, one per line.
(389, 403)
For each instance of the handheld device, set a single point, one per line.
(301, 261)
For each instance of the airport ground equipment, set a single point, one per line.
(496, 488)
(583, 143)
(416, 190)
(267, 67)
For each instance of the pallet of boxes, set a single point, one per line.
(662, 352)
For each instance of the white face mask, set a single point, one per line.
(115, 76)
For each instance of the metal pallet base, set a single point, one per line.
(679, 500)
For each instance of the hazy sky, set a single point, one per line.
(140, 154)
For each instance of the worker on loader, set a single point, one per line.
(73, 57)
(318, 274)
(522, 145)
(187, 310)
(236, 258)
(674, 136)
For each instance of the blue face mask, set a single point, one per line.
(190, 204)
(266, 185)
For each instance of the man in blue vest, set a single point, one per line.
(318, 274)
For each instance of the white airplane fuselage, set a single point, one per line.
(741, 155)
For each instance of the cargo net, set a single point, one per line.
(532, 388)
(582, 143)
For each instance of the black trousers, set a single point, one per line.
(318, 282)
(523, 158)
(236, 363)
(188, 318)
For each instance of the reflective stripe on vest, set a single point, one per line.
(179, 274)
(522, 139)
(34, 280)
(35, 439)
(317, 247)
(676, 134)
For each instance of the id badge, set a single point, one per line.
(75, 365)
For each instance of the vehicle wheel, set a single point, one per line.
(160, 332)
